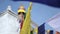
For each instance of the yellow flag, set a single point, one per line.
(36, 30)
(26, 25)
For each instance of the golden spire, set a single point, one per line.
(21, 9)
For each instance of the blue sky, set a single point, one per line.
(39, 14)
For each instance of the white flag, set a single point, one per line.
(54, 22)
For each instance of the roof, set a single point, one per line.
(9, 11)
(54, 17)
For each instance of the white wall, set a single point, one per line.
(8, 24)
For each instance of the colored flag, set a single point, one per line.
(57, 32)
(54, 3)
(36, 30)
(26, 25)
(51, 32)
(54, 22)
(41, 29)
(31, 32)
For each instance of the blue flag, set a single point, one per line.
(54, 3)
(41, 29)
(51, 32)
